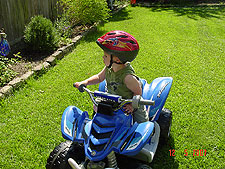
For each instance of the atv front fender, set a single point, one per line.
(72, 124)
(133, 144)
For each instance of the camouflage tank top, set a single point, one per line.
(115, 81)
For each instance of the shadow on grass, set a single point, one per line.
(165, 156)
(94, 35)
(192, 11)
(195, 12)
(162, 158)
(121, 15)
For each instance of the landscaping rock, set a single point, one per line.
(15, 82)
(58, 54)
(38, 68)
(51, 60)
(76, 39)
(6, 90)
(27, 75)
(46, 65)
(66, 49)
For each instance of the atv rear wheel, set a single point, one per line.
(165, 122)
(58, 158)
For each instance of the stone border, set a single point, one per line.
(50, 61)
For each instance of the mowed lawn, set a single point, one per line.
(187, 44)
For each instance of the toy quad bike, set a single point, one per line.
(111, 138)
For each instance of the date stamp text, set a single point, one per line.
(194, 153)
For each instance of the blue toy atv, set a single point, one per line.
(111, 139)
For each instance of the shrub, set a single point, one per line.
(40, 34)
(85, 11)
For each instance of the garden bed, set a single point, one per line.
(29, 60)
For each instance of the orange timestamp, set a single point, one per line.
(194, 153)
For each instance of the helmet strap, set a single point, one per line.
(111, 62)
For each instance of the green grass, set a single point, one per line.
(187, 44)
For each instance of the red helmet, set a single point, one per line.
(121, 44)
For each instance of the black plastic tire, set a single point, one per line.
(143, 166)
(165, 122)
(58, 158)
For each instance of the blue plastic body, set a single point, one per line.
(117, 132)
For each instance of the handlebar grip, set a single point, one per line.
(81, 87)
(137, 101)
(147, 102)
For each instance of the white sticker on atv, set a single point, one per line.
(68, 127)
(136, 141)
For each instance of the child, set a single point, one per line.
(119, 48)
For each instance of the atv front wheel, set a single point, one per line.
(165, 122)
(58, 158)
(143, 166)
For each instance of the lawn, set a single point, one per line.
(187, 44)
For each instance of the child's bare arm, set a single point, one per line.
(95, 79)
(134, 85)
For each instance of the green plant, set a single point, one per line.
(85, 11)
(63, 27)
(64, 30)
(6, 74)
(40, 34)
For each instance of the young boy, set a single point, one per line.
(119, 48)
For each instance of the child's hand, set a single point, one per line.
(128, 108)
(77, 84)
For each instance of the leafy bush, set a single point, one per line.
(40, 34)
(85, 11)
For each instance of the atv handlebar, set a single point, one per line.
(82, 87)
(136, 101)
